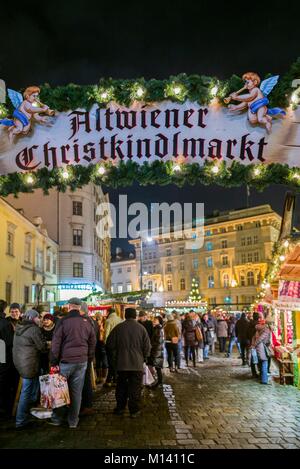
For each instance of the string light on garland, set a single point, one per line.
(29, 179)
(65, 174)
(281, 258)
(286, 243)
(103, 95)
(138, 91)
(214, 91)
(215, 169)
(177, 168)
(257, 172)
(176, 91)
(101, 170)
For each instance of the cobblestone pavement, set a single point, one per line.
(216, 405)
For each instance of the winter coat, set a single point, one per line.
(157, 347)
(212, 321)
(112, 321)
(261, 341)
(148, 326)
(130, 343)
(7, 335)
(252, 329)
(231, 328)
(74, 340)
(189, 333)
(241, 330)
(222, 328)
(28, 346)
(207, 336)
(171, 330)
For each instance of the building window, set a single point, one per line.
(10, 243)
(77, 208)
(129, 287)
(243, 257)
(154, 268)
(257, 224)
(120, 288)
(128, 269)
(77, 238)
(209, 246)
(149, 269)
(155, 287)
(211, 282)
(39, 259)
(243, 241)
(169, 285)
(239, 227)
(48, 261)
(212, 301)
(222, 230)
(182, 284)
(208, 233)
(242, 281)
(154, 255)
(249, 256)
(225, 281)
(181, 265)
(26, 294)
(150, 285)
(78, 269)
(255, 239)
(8, 292)
(150, 255)
(256, 256)
(249, 240)
(169, 252)
(27, 256)
(224, 260)
(146, 255)
(181, 251)
(54, 264)
(209, 262)
(250, 278)
(119, 270)
(169, 267)
(224, 244)
(195, 264)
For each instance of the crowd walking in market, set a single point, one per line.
(123, 353)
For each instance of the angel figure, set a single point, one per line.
(25, 110)
(256, 100)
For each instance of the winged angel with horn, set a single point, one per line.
(256, 100)
(25, 110)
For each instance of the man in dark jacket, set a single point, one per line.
(28, 346)
(251, 333)
(146, 323)
(131, 343)
(87, 392)
(6, 363)
(73, 345)
(241, 330)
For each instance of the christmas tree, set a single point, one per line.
(195, 295)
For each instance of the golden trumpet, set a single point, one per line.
(229, 98)
(49, 112)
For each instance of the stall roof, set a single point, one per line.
(290, 268)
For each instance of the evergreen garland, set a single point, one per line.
(156, 173)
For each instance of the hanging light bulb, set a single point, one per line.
(256, 172)
(101, 170)
(29, 179)
(215, 169)
(282, 258)
(286, 243)
(214, 91)
(65, 174)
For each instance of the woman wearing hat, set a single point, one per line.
(48, 326)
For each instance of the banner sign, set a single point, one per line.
(242, 127)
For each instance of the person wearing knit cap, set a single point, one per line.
(27, 348)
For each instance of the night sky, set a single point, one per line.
(70, 41)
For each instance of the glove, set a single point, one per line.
(54, 370)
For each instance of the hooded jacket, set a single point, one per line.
(27, 348)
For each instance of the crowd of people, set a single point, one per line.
(72, 343)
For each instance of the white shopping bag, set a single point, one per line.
(147, 378)
(54, 391)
